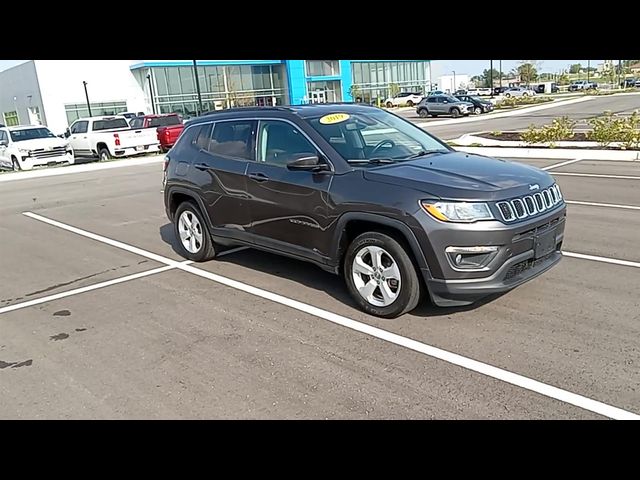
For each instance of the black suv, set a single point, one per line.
(364, 193)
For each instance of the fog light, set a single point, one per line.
(471, 258)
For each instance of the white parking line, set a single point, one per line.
(596, 175)
(596, 258)
(594, 204)
(453, 358)
(562, 164)
(88, 288)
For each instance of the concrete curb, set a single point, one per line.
(554, 153)
(85, 167)
(468, 139)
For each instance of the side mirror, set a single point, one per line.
(66, 133)
(4, 143)
(310, 163)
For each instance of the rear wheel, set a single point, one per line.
(389, 104)
(104, 155)
(455, 113)
(424, 113)
(409, 103)
(525, 94)
(380, 276)
(194, 239)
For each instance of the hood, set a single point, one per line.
(462, 176)
(41, 143)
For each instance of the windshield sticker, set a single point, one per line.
(334, 118)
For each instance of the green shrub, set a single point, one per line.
(610, 128)
(560, 129)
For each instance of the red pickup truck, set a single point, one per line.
(169, 127)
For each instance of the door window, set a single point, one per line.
(281, 143)
(233, 139)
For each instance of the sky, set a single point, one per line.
(446, 67)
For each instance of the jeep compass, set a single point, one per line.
(365, 194)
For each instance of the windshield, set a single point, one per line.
(30, 134)
(110, 124)
(360, 137)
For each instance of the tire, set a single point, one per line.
(198, 248)
(455, 113)
(508, 95)
(410, 103)
(525, 94)
(401, 296)
(15, 164)
(104, 155)
(424, 113)
(477, 110)
(389, 104)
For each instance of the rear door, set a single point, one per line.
(222, 153)
(288, 208)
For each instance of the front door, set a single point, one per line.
(220, 165)
(5, 161)
(79, 139)
(318, 96)
(288, 208)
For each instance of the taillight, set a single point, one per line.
(117, 137)
(166, 164)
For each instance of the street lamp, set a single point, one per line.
(195, 73)
(86, 95)
(454, 81)
(491, 76)
(153, 105)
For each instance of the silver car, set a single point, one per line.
(518, 92)
(435, 105)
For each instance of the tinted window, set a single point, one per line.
(136, 122)
(431, 99)
(3, 136)
(109, 124)
(281, 143)
(164, 121)
(187, 145)
(203, 138)
(233, 139)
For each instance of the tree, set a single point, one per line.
(528, 71)
(394, 89)
(355, 93)
(575, 68)
(487, 75)
(477, 80)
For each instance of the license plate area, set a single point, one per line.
(140, 148)
(545, 243)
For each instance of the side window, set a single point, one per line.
(74, 128)
(431, 99)
(81, 127)
(201, 140)
(281, 142)
(233, 139)
(186, 146)
(136, 123)
(3, 136)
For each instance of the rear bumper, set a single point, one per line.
(136, 150)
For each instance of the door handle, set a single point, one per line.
(202, 166)
(258, 177)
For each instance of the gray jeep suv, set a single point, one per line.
(435, 105)
(363, 193)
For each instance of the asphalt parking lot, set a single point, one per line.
(254, 335)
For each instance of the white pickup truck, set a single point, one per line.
(110, 137)
(25, 147)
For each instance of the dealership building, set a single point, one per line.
(57, 92)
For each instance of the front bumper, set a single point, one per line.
(514, 264)
(28, 162)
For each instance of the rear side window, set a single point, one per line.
(431, 99)
(188, 145)
(136, 122)
(234, 139)
(164, 121)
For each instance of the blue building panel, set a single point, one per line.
(297, 81)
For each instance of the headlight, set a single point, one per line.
(458, 211)
(24, 151)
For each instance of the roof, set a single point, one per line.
(23, 127)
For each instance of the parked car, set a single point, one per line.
(404, 99)
(479, 91)
(499, 90)
(518, 92)
(630, 83)
(479, 105)
(366, 194)
(460, 92)
(25, 147)
(109, 137)
(435, 92)
(582, 85)
(435, 105)
(168, 127)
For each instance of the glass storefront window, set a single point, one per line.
(79, 110)
(323, 68)
(374, 79)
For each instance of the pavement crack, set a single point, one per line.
(58, 285)
(60, 336)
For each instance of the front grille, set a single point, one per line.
(54, 152)
(525, 265)
(530, 205)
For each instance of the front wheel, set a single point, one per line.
(424, 113)
(455, 113)
(15, 164)
(477, 110)
(104, 155)
(380, 276)
(508, 95)
(525, 94)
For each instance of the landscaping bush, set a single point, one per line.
(560, 129)
(611, 128)
(510, 102)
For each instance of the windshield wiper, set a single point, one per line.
(373, 161)
(423, 153)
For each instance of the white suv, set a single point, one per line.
(25, 147)
(404, 99)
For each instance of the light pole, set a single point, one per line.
(588, 70)
(491, 76)
(87, 97)
(501, 75)
(454, 81)
(153, 105)
(195, 73)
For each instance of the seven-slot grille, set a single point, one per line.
(530, 205)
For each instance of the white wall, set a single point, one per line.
(445, 82)
(20, 82)
(107, 81)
